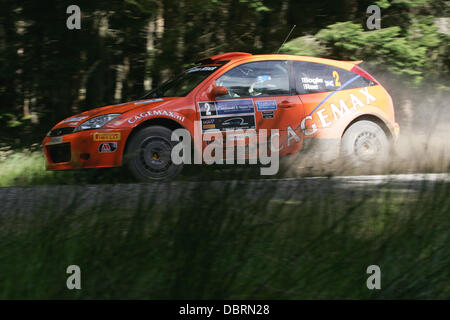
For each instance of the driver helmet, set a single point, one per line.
(259, 84)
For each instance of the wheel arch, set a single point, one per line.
(163, 122)
(373, 118)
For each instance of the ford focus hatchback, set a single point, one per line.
(307, 100)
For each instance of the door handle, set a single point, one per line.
(285, 104)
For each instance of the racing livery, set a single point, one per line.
(306, 98)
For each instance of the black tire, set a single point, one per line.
(365, 142)
(149, 155)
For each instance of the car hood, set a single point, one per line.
(75, 120)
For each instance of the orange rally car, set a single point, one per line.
(335, 104)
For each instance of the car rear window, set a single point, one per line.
(313, 77)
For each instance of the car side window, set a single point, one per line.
(256, 79)
(313, 77)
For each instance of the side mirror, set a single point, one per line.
(218, 92)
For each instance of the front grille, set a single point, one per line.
(59, 152)
(61, 131)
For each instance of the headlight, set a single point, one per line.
(97, 122)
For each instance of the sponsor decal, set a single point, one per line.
(266, 105)
(107, 136)
(227, 115)
(291, 138)
(229, 147)
(311, 83)
(229, 123)
(75, 120)
(235, 121)
(207, 109)
(148, 101)
(107, 147)
(208, 121)
(150, 113)
(208, 124)
(315, 80)
(332, 112)
(267, 115)
(226, 107)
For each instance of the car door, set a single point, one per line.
(263, 93)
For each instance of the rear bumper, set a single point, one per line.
(86, 149)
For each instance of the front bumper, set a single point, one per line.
(85, 149)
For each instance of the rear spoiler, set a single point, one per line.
(223, 56)
(363, 73)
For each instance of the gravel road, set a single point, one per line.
(125, 196)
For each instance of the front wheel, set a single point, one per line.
(149, 155)
(365, 142)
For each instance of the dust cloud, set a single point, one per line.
(423, 145)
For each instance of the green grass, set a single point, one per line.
(217, 243)
(22, 168)
(27, 168)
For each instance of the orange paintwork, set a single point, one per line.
(329, 121)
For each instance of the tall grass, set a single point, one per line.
(230, 240)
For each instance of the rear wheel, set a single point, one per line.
(365, 142)
(149, 154)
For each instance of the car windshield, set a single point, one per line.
(184, 83)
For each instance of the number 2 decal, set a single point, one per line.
(337, 83)
(208, 109)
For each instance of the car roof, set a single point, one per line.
(244, 56)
